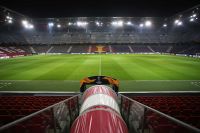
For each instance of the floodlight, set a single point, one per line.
(24, 22)
(97, 23)
(129, 23)
(50, 24)
(8, 17)
(30, 26)
(69, 23)
(164, 25)
(117, 23)
(120, 23)
(58, 26)
(27, 25)
(179, 23)
(192, 19)
(194, 15)
(81, 23)
(114, 23)
(176, 21)
(148, 23)
(141, 25)
(10, 21)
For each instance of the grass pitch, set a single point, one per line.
(136, 72)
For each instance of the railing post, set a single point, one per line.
(54, 121)
(70, 113)
(144, 120)
(78, 104)
(121, 103)
(128, 113)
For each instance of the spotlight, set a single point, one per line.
(118, 23)
(179, 23)
(24, 22)
(81, 23)
(129, 23)
(69, 23)
(176, 21)
(9, 18)
(164, 25)
(192, 19)
(50, 24)
(141, 25)
(10, 21)
(27, 25)
(148, 23)
(194, 15)
(30, 26)
(58, 26)
(99, 23)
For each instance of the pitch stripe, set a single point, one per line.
(100, 66)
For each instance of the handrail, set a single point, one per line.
(33, 114)
(181, 123)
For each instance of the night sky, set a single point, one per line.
(98, 8)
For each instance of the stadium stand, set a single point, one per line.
(121, 48)
(60, 48)
(80, 48)
(15, 107)
(173, 48)
(184, 108)
(141, 48)
(41, 48)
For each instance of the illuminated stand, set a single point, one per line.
(99, 112)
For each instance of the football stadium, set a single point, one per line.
(100, 74)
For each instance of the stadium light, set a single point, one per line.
(9, 18)
(50, 24)
(10, 21)
(27, 25)
(24, 22)
(30, 26)
(148, 23)
(81, 23)
(176, 21)
(129, 23)
(191, 19)
(69, 23)
(118, 23)
(179, 23)
(194, 15)
(164, 25)
(141, 25)
(99, 23)
(58, 26)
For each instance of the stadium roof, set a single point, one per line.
(89, 8)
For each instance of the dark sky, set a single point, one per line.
(98, 8)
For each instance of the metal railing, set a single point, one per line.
(143, 119)
(56, 118)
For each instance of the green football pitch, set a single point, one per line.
(136, 72)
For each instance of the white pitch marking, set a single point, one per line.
(100, 66)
